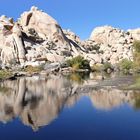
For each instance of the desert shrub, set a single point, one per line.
(136, 46)
(107, 66)
(32, 69)
(97, 67)
(78, 63)
(125, 65)
(4, 74)
(102, 67)
(136, 55)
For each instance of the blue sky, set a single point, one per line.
(81, 16)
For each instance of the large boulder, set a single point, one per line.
(44, 25)
(44, 38)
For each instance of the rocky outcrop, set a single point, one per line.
(106, 44)
(114, 44)
(36, 38)
(11, 42)
(72, 36)
(43, 25)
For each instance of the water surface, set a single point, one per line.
(69, 108)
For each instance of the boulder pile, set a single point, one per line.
(33, 39)
(36, 38)
(114, 44)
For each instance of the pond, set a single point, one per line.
(71, 107)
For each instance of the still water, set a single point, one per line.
(69, 108)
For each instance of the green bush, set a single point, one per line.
(97, 67)
(125, 65)
(78, 63)
(107, 66)
(136, 46)
(31, 69)
(136, 55)
(102, 67)
(4, 74)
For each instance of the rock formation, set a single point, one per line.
(44, 26)
(115, 44)
(11, 44)
(37, 37)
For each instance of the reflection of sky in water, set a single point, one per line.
(62, 110)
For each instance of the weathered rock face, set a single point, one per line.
(114, 44)
(110, 36)
(72, 36)
(11, 43)
(45, 27)
(35, 38)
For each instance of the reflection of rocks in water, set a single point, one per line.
(72, 100)
(7, 100)
(38, 102)
(108, 98)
